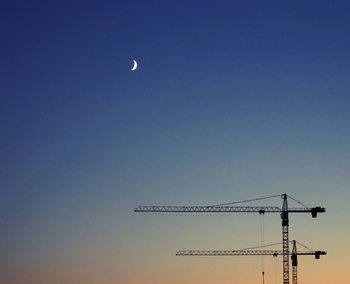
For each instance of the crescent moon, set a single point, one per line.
(135, 66)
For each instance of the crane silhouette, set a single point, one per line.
(253, 252)
(229, 208)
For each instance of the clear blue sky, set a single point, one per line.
(231, 100)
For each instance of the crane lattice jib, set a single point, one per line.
(225, 209)
(242, 252)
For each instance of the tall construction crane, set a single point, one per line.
(253, 251)
(228, 208)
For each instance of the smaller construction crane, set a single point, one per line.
(253, 252)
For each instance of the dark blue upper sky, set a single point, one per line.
(237, 95)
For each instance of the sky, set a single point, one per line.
(232, 100)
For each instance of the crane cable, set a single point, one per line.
(262, 243)
(244, 201)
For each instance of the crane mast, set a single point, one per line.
(229, 208)
(294, 258)
(285, 239)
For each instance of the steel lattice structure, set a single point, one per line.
(253, 252)
(284, 213)
(242, 252)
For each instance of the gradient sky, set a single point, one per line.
(232, 100)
